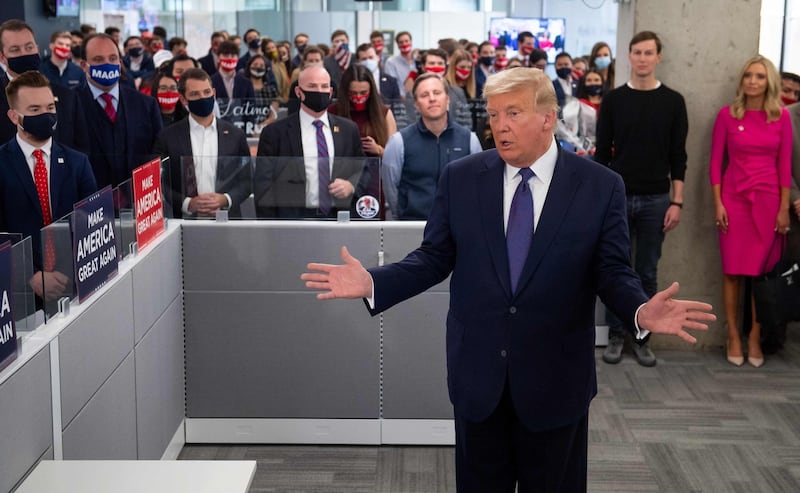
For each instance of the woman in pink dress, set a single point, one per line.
(751, 193)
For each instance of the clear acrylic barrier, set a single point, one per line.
(56, 280)
(470, 114)
(251, 115)
(124, 218)
(23, 302)
(234, 178)
(280, 189)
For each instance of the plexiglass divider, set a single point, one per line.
(198, 196)
(281, 189)
(54, 265)
(23, 302)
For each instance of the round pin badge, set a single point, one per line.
(368, 207)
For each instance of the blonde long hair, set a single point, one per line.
(469, 84)
(772, 102)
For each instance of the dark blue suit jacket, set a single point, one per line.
(71, 180)
(560, 95)
(541, 338)
(242, 87)
(137, 126)
(390, 91)
(207, 63)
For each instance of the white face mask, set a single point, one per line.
(370, 64)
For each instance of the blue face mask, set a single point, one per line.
(202, 107)
(602, 62)
(370, 64)
(106, 74)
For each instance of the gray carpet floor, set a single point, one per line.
(694, 423)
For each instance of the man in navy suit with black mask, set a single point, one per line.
(123, 123)
(20, 53)
(40, 179)
(531, 235)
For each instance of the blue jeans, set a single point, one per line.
(646, 227)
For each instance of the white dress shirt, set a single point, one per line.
(27, 151)
(308, 137)
(205, 151)
(539, 183)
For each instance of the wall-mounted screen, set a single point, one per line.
(548, 32)
(67, 8)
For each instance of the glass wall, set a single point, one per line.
(780, 30)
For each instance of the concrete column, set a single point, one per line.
(705, 44)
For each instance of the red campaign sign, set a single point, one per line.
(148, 202)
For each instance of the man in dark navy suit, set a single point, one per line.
(19, 53)
(531, 235)
(387, 85)
(209, 157)
(227, 82)
(292, 188)
(123, 123)
(40, 179)
(210, 62)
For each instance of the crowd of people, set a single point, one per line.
(318, 113)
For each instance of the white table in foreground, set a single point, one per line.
(129, 476)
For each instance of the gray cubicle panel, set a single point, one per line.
(26, 417)
(258, 344)
(158, 329)
(93, 346)
(105, 428)
(414, 361)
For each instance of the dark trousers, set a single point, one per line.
(498, 454)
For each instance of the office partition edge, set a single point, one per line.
(293, 431)
(176, 443)
(55, 395)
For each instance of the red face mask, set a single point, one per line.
(228, 64)
(500, 63)
(378, 48)
(436, 69)
(462, 73)
(168, 100)
(474, 58)
(405, 49)
(359, 102)
(526, 50)
(62, 52)
(154, 47)
(787, 101)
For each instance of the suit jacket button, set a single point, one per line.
(503, 353)
(512, 310)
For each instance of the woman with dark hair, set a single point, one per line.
(359, 100)
(751, 191)
(590, 88)
(538, 59)
(165, 89)
(259, 71)
(578, 123)
(600, 58)
(272, 54)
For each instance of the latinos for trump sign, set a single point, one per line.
(8, 330)
(94, 242)
(149, 205)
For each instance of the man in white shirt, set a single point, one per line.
(209, 158)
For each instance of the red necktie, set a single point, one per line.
(110, 111)
(40, 177)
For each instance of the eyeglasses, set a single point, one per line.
(173, 87)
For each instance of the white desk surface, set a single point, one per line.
(129, 476)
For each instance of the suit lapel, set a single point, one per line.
(295, 140)
(20, 164)
(559, 198)
(58, 174)
(490, 181)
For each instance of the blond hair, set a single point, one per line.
(460, 55)
(523, 79)
(772, 102)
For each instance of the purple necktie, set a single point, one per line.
(324, 170)
(520, 227)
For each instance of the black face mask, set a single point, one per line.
(301, 49)
(316, 101)
(76, 51)
(202, 107)
(254, 44)
(24, 63)
(41, 126)
(135, 52)
(487, 61)
(596, 90)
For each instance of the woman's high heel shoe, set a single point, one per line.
(734, 360)
(754, 362)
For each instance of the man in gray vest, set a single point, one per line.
(416, 155)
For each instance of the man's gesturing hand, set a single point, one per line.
(665, 315)
(349, 280)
